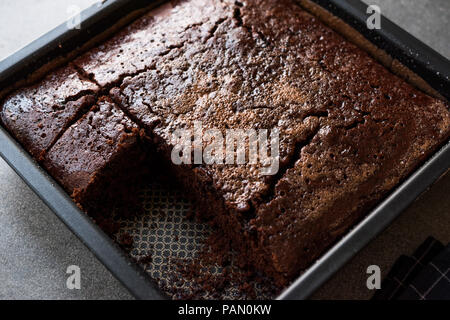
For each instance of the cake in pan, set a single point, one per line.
(349, 129)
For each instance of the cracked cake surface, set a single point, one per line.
(349, 129)
(270, 64)
(90, 155)
(140, 45)
(38, 114)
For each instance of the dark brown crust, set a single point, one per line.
(141, 44)
(326, 97)
(37, 115)
(88, 160)
(350, 130)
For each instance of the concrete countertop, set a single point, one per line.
(36, 248)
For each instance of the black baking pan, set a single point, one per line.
(418, 57)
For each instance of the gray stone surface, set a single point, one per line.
(427, 20)
(36, 248)
(22, 21)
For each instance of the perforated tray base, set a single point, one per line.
(166, 244)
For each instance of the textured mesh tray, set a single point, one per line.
(166, 244)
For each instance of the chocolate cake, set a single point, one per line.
(139, 46)
(349, 129)
(286, 71)
(96, 155)
(37, 115)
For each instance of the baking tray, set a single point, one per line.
(418, 57)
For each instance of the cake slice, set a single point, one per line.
(38, 114)
(97, 155)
